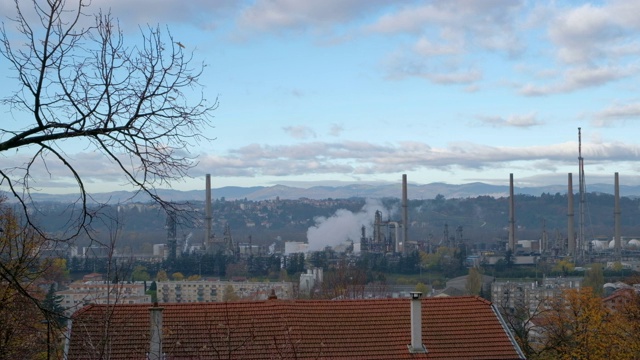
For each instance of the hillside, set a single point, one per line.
(257, 193)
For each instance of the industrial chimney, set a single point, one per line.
(616, 216)
(416, 345)
(208, 216)
(571, 237)
(405, 216)
(512, 217)
(155, 346)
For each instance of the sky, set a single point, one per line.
(329, 92)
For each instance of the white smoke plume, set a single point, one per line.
(344, 225)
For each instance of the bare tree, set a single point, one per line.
(139, 106)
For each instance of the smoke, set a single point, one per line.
(344, 225)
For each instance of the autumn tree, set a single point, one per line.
(577, 325)
(564, 266)
(177, 276)
(25, 316)
(230, 294)
(162, 275)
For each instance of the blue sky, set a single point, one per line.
(457, 91)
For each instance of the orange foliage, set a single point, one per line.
(579, 326)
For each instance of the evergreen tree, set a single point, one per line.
(52, 303)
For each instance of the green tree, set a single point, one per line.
(140, 274)
(594, 278)
(474, 282)
(52, 304)
(153, 292)
(421, 287)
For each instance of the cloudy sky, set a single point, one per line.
(326, 91)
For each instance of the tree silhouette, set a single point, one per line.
(137, 107)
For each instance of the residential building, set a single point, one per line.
(431, 328)
(93, 290)
(512, 295)
(214, 290)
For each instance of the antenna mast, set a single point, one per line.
(581, 241)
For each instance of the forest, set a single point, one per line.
(480, 221)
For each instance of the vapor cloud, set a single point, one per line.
(344, 226)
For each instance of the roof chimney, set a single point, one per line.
(155, 347)
(273, 295)
(416, 345)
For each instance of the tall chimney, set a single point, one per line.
(416, 345)
(512, 217)
(207, 220)
(616, 216)
(155, 346)
(405, 215)
(571, 237)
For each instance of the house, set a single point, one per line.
(620, 299)
(432, 328)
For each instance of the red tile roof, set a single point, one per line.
(453, 328)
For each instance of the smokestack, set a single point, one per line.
(405, 215)
(512, 217)
(616, 217)
(207, 220)
(416, 345)
(155, 346)
(571, 237)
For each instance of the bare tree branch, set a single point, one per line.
(140, 106)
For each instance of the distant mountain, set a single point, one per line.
(427, 191)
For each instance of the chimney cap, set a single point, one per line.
(273, 295)
(415, 295)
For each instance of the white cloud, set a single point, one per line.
(351, 157)
(299, 132)
(615, 113)
(453, 25)
(579, 78)
(518, 121)
(336, 129)
(201, 13)
(277, 15)
(591, 33)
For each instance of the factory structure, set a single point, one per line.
(391, 236)
(575, 246)
(211, 244)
